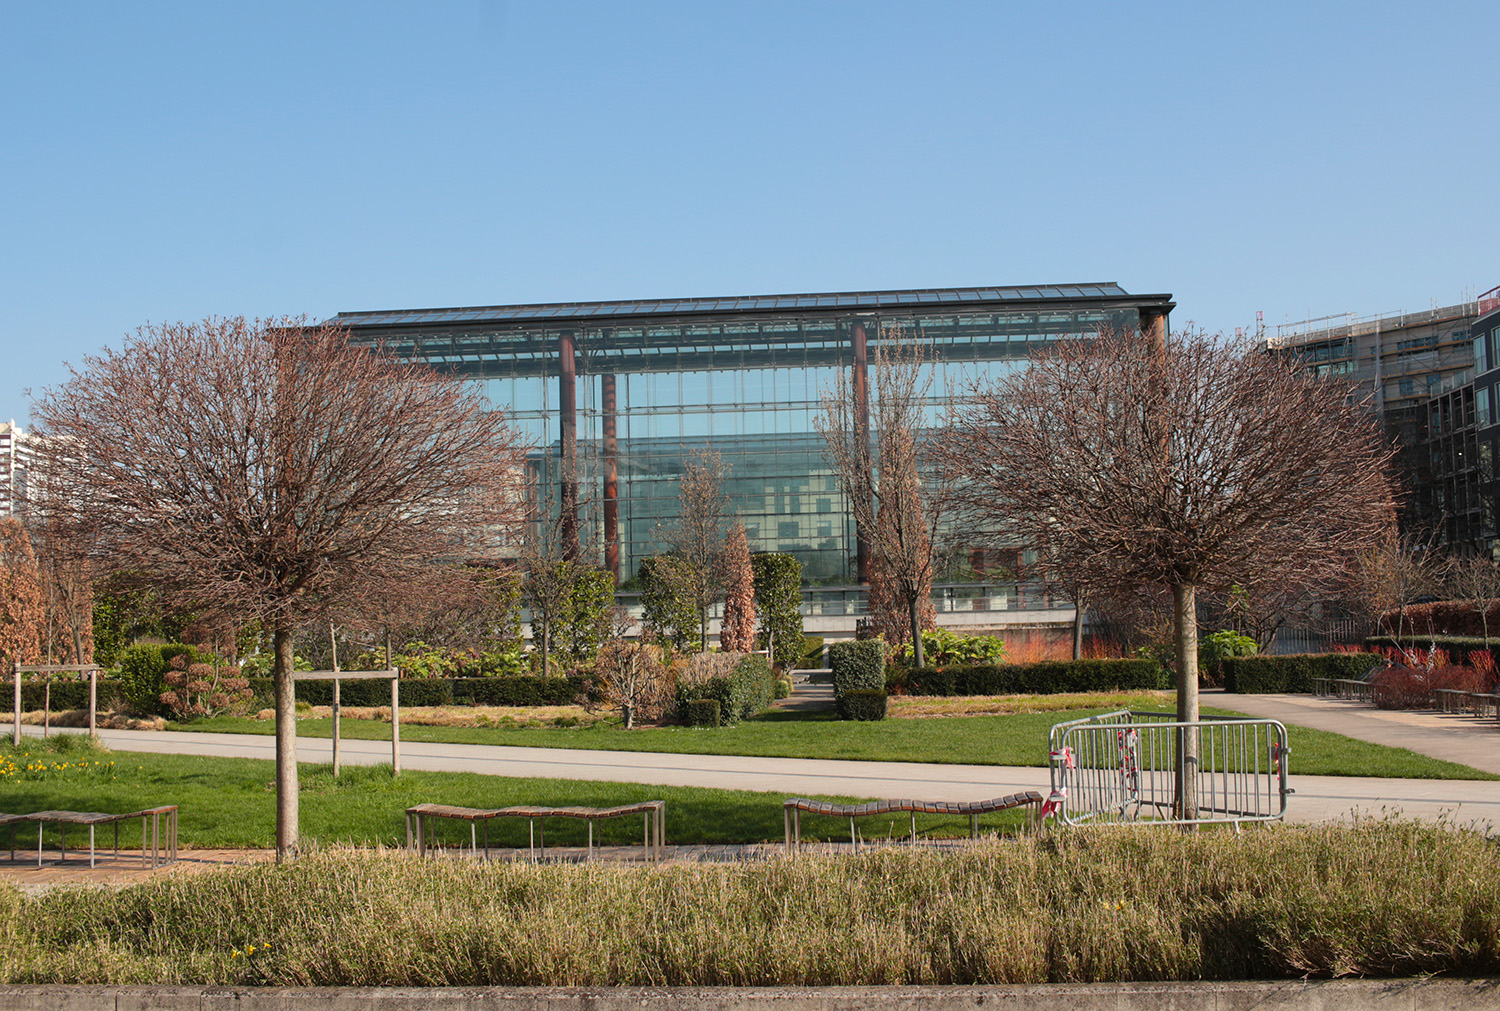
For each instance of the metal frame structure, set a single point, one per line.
(1122, 768)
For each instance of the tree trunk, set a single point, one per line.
(914, 607)
(1185, 617)
(546, 634)
(1077, 631)
(286, 743)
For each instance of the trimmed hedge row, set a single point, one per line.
(496, 691)
(862, 704)
(1293, 673)
(1458, 647)
(743, 693)
(1047, 677)
(67, 694)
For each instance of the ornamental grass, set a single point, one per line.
(1379, 898)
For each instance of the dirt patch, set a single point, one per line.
(456, 716)
(926, 707)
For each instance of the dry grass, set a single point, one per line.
(922, 707)
(455, 716)
(105, 719)
(1376, 899)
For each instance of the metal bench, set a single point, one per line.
(794, 807)
(157, 847)
(1453, 700)
(420, 824)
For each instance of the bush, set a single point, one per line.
(701, 713)
(942, 648)
(143, 671)
(1214, 647)
(518, 690)
(778, 604)
(1047, 677)
(1460, 647)
(862, 704)
(203, 689)
(66, 694)
(857, 666)
(1291, 674)
(783, 688)
(812, 652)
(361, 692)
(740, 682)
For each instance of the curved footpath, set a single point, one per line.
(1317, 798)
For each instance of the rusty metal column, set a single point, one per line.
(1153, 324)
(567, 372)
(861, 386)
(611, 477)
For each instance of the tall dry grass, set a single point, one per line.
(1376, 899)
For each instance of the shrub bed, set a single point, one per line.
(862, 704)
(1067, 907)
(701, 713)
(1457, 647)
(68, 694)
(745, 691)
(1047, 677)
(1291, 674)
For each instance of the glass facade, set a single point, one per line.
(615, 405)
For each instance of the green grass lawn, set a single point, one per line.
(1019, 740)
(231, 802)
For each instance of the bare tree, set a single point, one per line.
(737, 634)
(694, 564)
(549, 571)
(1181, 465)
(1476, 579)
(1389, 575)
(897, 503)
(258, 469)
(21, 611)
(632, 676)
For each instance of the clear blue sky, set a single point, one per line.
(166, 161)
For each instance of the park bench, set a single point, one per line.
(421, 818)
(1453, 700)
(795, 807)
(157, 847)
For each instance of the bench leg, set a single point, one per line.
(973, 826)
(853, 839)
(914, 828)
(91, 846)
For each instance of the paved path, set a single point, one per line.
(1454, 737)
(1318, 798)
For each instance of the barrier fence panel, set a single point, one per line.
(1122, 767)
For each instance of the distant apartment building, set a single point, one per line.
(16, 456)
(1418, 371)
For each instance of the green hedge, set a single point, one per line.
(701, 713)
(1293, 673)
(744, 693)
(143, 672)
(1458, 647)
(858, 665)
(1047, 677)
(778, 604)
(519, 691)
(812, 652)
(862, 704)
(67, 694)
(361, 692)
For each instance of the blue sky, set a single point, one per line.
(166, 161)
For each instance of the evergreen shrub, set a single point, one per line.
(143, 671)
(858, 665)
(862, 704)
(1047, 677)
(1293, 673)
(743, 692)
(778, 604)
(701, 713)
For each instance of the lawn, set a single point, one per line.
(1016, 738)
(231, 802)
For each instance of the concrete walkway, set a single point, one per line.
(1318, 798)
(1453, 737)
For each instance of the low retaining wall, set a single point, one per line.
(1324, 995)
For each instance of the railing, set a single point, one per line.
(1124, 767)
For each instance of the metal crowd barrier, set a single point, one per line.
(1122, 767)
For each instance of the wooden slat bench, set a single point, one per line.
(159, 846)
(793, 808)
(419, 823)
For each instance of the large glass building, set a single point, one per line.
(616, 397)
